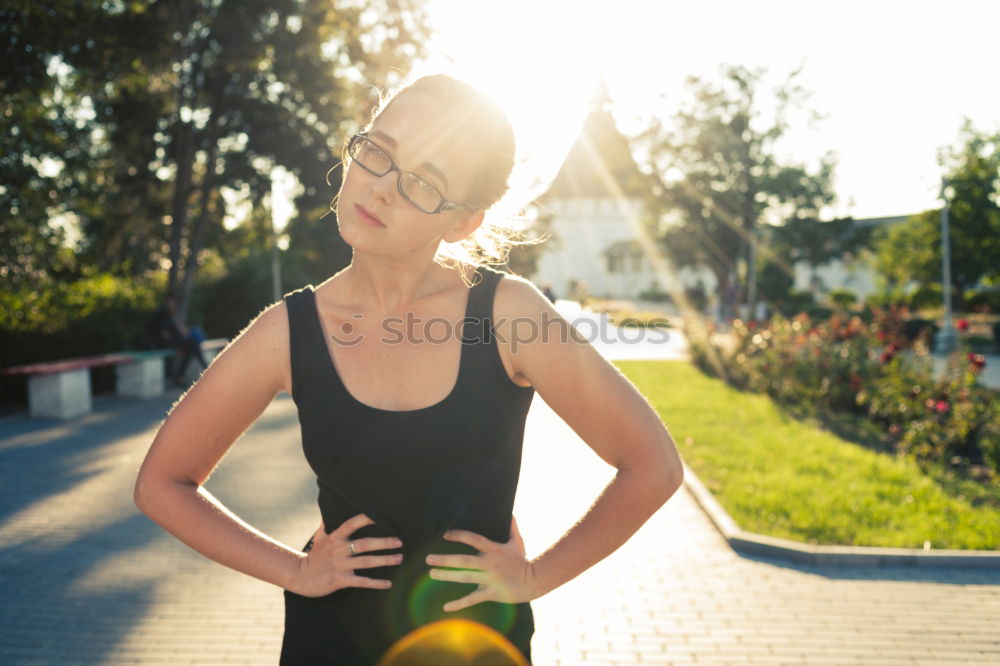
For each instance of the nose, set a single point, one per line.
(385, 186)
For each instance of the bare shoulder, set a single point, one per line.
(519, 297)
(264, 345)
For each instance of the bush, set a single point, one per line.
(655, 295)
(986, 300)
(844, 365)
(842, 298)
(794, 302)
(926, 296)
(98, 314)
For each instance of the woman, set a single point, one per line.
(415, 435)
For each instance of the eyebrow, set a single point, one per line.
(426, 166)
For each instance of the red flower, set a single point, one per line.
(751, 324)
(978, 361)
(886, 356)
(881, 336)
(962, 325)
(941, 406)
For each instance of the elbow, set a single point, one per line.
(140, 493)
(676, 475)
(659, 477)
(670, 475)
(147, 494)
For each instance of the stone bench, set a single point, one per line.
(61, 389)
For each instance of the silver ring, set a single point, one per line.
(350, 544)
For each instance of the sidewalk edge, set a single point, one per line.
(801, 553)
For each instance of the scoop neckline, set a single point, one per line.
(332, 366)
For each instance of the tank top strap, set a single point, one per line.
(481, 297)
(305, 338)
(479, 339)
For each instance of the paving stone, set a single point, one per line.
(85, 578)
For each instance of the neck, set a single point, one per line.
(392, 285)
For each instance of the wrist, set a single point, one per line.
(536, 586)
(294, 578)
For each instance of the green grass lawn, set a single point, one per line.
(783, 477)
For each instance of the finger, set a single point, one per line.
(476, 597)
(372, 561)
(477, 541)
(352, 525)
(455, 576)
(456, 561)
(321, 532)
(363, 581)
(376, 543)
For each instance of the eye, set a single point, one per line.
(425, 187)
(369, 149)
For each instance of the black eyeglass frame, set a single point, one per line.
(442, 207)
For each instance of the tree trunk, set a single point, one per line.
(184, 156)
(183, 147)
(209, 195)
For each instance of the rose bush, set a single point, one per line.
(876, 368)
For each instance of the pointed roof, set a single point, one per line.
(600, 164)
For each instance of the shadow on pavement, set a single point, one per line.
(45, 611)
(40, 458)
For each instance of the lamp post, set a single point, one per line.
(945, 341)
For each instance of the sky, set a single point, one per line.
(891, 80)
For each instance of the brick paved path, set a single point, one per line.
(85, 578)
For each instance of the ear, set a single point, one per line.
(466, 222)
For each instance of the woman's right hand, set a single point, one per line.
(330, 564)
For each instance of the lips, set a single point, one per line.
(367, 217)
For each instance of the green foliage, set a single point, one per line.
(912, 251)
(129, 119)
(721, 147)
(98, 314)
(842, 297)
(926, 296)
(775, 278)
(984, 300)
(844, 365)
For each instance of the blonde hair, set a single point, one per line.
(472, 111)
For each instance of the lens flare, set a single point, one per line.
(453, 643)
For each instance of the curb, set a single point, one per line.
(836, 556)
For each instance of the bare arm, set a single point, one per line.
(610, 415)
(239, 384)
(228, 398)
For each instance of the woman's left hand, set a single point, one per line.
(501, 570)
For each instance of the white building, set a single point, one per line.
(597, 221)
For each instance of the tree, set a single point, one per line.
(716, 178)
(189, 99)
(911, 252)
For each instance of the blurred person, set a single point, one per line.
(164, 329)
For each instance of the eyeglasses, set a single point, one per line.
(424, 196)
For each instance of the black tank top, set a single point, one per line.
(416, 473)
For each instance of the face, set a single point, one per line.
(372, 214)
